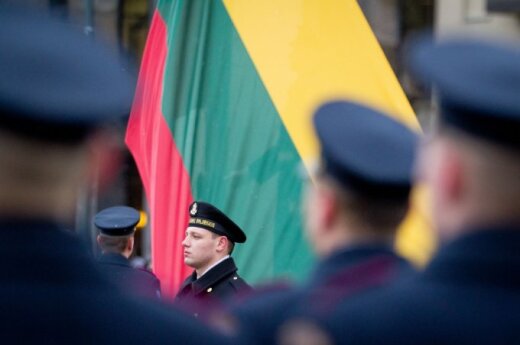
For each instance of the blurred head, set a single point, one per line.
(473, 183)
(42, 179)
(360, 190)
(336, 217)
(58, 88)
(471, 160)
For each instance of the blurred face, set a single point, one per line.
(200, 248)
(310, 212)
(315, 215)
(434, 172)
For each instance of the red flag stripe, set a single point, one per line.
(160, 164)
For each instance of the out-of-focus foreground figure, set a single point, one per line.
(57, 87)
(354, 206)
(470, 292)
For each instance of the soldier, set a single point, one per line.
(209, 242)
(116, 240)
(470, 292)
(57, 88)
(354, 206)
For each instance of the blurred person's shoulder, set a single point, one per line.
(466, 291)
(49, 277)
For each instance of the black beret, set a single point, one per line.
(478, 85)
(206, 216)
(364, 150)
(117, 220)
(56, 82)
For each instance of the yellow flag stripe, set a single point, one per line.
(309, 51)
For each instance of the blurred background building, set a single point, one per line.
(395, 21)
(124, 23)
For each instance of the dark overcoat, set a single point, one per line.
(51, 292)
(469, 294)
(138, 281)
(215, 287)
(345, 275)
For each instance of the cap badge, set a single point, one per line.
(193, 210)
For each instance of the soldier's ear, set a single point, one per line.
(130, 244)
(330, 207)
(452, 175)
(222, 244)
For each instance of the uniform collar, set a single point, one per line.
(488, 256)
(349, 257)
(215, 264)
(114, 259)
(214, 275)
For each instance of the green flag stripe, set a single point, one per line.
(233, 143)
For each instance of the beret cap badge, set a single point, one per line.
(206, 216)
(193, 210)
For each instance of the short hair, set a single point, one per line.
(113, 244)
(495, 169)
(231, 244)
(377, 214)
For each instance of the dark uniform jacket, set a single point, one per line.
(346, 274)
(215, 287)
(134, 280)
(51, 292)
(469, 294)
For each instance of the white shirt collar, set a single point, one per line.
(215, 264)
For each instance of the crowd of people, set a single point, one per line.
(59, 88)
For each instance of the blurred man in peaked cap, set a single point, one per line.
(116, 240)
(57, 87)
(470, 292)
(209, 242)
(359, 196)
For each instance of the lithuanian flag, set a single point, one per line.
(222, 113)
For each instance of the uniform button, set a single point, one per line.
(235, 278)
(209, 290)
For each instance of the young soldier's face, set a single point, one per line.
(200, 247)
